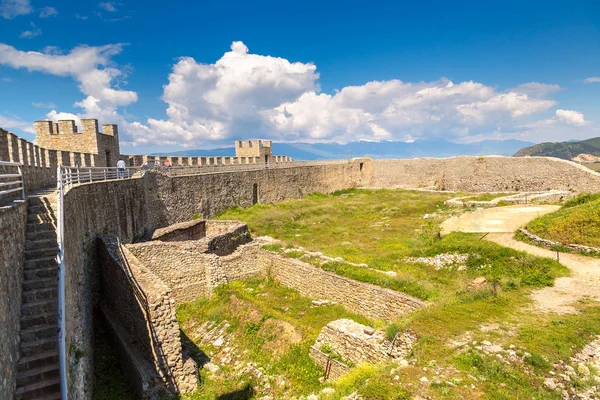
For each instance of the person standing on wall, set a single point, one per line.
(121, 167)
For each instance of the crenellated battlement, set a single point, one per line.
(254, 148)
(64, 136)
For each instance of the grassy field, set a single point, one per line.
(577, 222)
(381, 228)
(593, 166)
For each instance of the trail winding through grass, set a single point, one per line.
(500, 224)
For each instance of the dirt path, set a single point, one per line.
(583, 282)
(496, 219)
(501, 222)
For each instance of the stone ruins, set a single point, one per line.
(132, 249)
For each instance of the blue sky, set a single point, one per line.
(202, 74)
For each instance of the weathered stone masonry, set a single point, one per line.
(12, 246)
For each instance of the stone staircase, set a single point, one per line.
(38, 367)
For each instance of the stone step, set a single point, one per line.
(37, 346)
(52, 396)
(40, 226)
(39, 307)
(40, 243)
(42, 201)
(34, 321)
(41, 209)
(42, 235)
(40, 218)
(41, 283)
(38, 374)
(37, 360)
(40, 252)
(40, 332)
(43, 262)
(38, 389)
(41, 273)
(40, 294)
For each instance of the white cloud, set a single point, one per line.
(592, 79)
(34, 32)
(81, 17)
(107, 6)
(6, 79)
(13, 122)
(244, 94)
(13, 8)
(43, 105)
(90, 66)
(574, 118)
(47, 12)
(536, 89)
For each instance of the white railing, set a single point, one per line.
(68, 177)
(11, 182)
(214, 168)
(72, 176)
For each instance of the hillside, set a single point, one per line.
(564, 150)
(378, 150)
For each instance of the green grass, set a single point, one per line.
(255, 303)
(576, 222)
(109, 380)
(381, 228)
(487, 196)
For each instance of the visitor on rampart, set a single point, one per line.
(121, 167)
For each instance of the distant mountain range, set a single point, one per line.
(383, 149)
(565, 150)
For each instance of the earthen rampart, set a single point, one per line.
(485, 174)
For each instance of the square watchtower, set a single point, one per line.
(64, 136)
(254, 148)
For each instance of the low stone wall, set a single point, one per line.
(189, 230)
(13, 223)
(144, 312)
(334, 369)
(365, 299)
(579, 248)
(190, 272)
(485, 174)
(358, 343)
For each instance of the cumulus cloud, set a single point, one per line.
(48, 12)
(592, 79)
(244, 94)
(90, 66)
(13, 8)
(574, 118)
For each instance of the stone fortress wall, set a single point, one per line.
(485, 174)
(136, 207)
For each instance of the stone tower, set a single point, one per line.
(64, 136)
(254, 148)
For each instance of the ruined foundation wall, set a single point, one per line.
(485, 174)
(142, 305)
(13, 223)
(365, 299)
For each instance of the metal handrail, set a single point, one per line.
(19, 182)
(71, 176)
